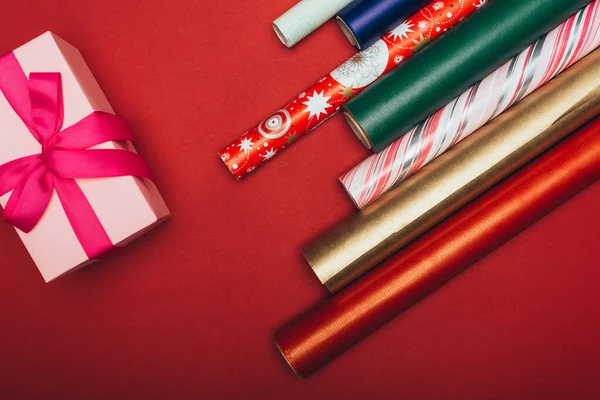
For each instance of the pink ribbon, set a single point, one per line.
(63, 157)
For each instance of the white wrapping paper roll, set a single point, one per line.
(304, 18)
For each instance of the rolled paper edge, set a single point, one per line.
(350, 194)
(282, 37)
(357, 129)
(287, 360)
(333, 283)
(348, 32)
(291, 27)
(306, 253)
(220, 155)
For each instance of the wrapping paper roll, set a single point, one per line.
(448, 67)
(304, 18)
(534, 66)
(323, 100)
(458, 176)
(333, 327)
(366, 21)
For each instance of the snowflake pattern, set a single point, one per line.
(480, 4)
(225, 157)
(438, 6)
(423, 26)
(398, 59)
(364, 67)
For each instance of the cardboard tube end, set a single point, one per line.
(287, 360)
(358, 130)
(347, 32)
(306, 253)
(281, 36)
(229, 167)
(347, 190)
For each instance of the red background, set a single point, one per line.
(189, 310)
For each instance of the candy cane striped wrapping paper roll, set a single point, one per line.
(536, 65)
(304, 18)
(323, 100)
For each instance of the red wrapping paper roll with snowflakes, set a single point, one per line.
(533, 67)
(317, 104)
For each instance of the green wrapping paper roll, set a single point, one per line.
(449, 66)
(451, 181)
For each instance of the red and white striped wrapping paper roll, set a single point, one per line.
(533, 67)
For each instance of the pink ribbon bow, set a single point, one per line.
(63, 157)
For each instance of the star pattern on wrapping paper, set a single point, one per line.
(420, 43)
(401, 31)
(317, 104)
(347, 92)
(269, 154)
(291, 138)
(246, 145)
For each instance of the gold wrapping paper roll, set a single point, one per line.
(454, 179)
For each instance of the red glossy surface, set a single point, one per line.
(189, 310)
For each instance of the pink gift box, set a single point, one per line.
(126, 206)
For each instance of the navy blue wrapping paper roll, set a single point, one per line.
(366, 21)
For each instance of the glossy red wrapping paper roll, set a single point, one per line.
(336, 325)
